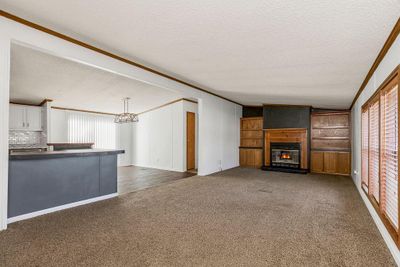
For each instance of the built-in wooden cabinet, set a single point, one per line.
(251, 142)
(25, 118)
(330, 142)
(250, 157)
(331, 162)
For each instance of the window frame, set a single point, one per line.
(393, 78)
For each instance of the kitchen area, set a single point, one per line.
(71, 137)
(44, 177)
(58, 159)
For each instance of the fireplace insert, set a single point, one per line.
(286, 155)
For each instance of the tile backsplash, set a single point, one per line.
(26, 139)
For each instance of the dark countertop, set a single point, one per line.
(64, 154)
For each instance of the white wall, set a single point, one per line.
(4, 113)
(388, 64)
(159, 138)
(211, 151)
(219, 135)
(124, 141)
(58, 126)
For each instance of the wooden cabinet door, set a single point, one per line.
(258, 162)
(343, 163)
(330, 162)
(317, 161)
(337, 162)
(250, 157)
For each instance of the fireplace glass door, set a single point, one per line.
(286, 155)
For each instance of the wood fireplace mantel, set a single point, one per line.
(289, 135)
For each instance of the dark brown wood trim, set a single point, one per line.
(113, 114)
(83, 110)
(163, 105)
(24, 104)
(167, 104)
(386, 222)
(45, 101)
(32, 104)
(190, 100)
(390, 40)
(101, 51)
(391, 76)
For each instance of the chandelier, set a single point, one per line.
(126, 117)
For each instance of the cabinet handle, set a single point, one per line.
(27, 124)
(23, 124)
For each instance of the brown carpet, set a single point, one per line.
(240, 217)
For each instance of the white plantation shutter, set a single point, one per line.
(364, 149)
(373, 169)
(91, 128)
(389, 154)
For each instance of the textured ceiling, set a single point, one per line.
(257, 51)
(36, 76)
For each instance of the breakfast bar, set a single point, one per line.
(39, 181)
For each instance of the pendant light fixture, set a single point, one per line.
(126, 117)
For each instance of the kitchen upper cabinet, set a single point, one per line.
(25, 118)
(34, 118)
(17, 117)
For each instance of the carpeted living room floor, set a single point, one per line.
(239, 217)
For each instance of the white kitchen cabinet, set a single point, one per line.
(34, 118)
(25, 118)
(17, 117)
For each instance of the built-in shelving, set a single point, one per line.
(251, 142)
(330, 142)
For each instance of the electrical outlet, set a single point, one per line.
(355, 172)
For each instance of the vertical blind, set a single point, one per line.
(364, 149)
(91, 128)
(374, 150)
(389, 157)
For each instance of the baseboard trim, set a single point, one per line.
(381, 227)
(58, 208)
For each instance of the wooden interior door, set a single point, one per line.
(190, 140)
